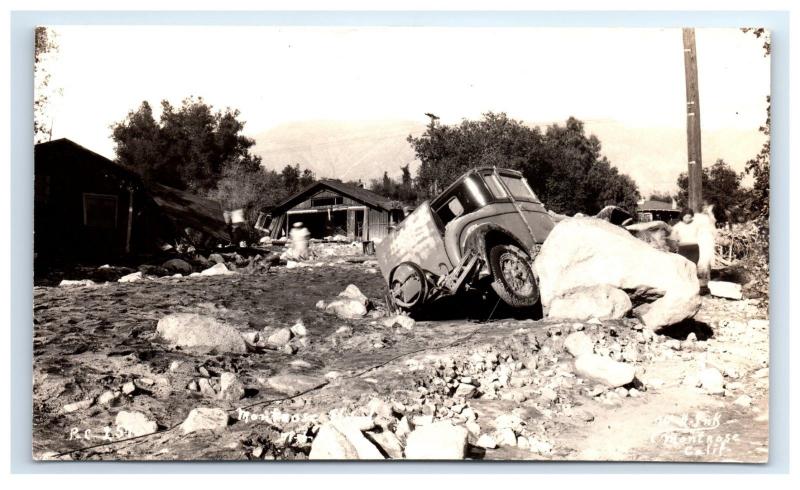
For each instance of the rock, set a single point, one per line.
(251, 338)
(725, 289)
(439, 440)
(280, 337)
(388, 442)
(78, 283)
(177, 266)
(743, 401)
(300, 363)
(506, 437)
(80, 405)
(216, 259)
(107, 397)
(578, 344)
(602, 302)
(230, 388)
(352, 292)
(465, 390)
(200, 333)
(292, 384)
(299, 329)
(486, 441)
(214, 419)
(404, 321)
(217, 270)
(332, 443)
(204, 385)
(134, 277)
(135, 423)
(712, 381)
(347, 308)
(582, 252)
(403, 428)
(129, 388)
(604, 370)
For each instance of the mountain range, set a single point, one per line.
(363, 150)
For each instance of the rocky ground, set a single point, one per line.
(282, 367)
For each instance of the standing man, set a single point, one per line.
(299, 237)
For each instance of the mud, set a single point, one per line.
(89, 340)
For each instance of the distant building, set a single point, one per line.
(88, 208)
(329, 208)
(651, 210)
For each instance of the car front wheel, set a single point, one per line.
(513, 277)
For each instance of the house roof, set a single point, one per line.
(182, 208)
(651, 205)
(56, 152)
(186, 209)
(359, 194)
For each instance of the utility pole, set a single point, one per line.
(693, 121)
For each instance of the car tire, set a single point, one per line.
(513, 278)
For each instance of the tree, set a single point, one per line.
(721, 187)
(563, 165)
(45, 47)
(661, 197)
(188, 148)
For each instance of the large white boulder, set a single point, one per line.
(581, 252)
(439, 440)
(347, 308)
(343, 439)
(200, 333)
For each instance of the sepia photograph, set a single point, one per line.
(268, 243)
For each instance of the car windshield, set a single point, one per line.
(519, 188)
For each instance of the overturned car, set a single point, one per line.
(485, 228)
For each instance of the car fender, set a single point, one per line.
(476, 239)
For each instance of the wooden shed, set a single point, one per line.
(652, 210)
(88, 208)
(332, 208)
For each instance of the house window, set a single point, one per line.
(326, 201)
(100, 211)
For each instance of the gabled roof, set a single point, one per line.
(185, 209)
(56, 152)
(651, 205)
(359, 194)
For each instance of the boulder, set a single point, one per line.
(230, 388)
(603, 302)
(403, 321)
(77, 283)
(578, 344)
(299, 329)
(280, 337)
(330, 443)
(200, 333)
(388, 442)
(581, 252)
(604, 370)
(217, 270)
(214, 419)
(712, 381)
(177, 266)
(347, 308)
(438, 440)
(352, 292)
(79, 405)
(292, 384)
(135, 423)
(725, 289)
(133, 277)
(216, 259)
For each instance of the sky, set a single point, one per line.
(621, 78)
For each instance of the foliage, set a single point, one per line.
(661, 197)
(721, 187)
(45, 46)
(188, 148)
(563, 165)
(398, 190)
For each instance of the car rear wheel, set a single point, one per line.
(513, 277)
